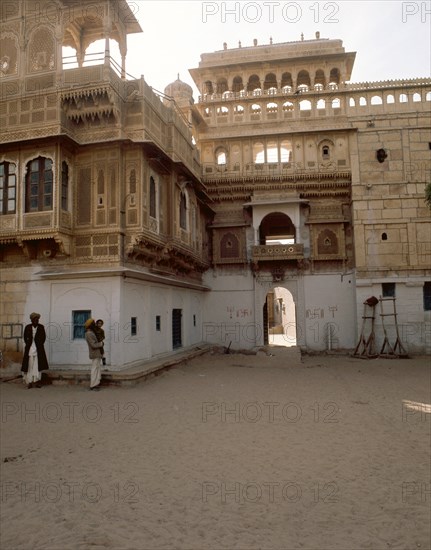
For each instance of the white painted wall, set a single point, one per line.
(116, 301)
(229, 310)
(96, 295)
(414, 324)
(234, 310)
(329, 303)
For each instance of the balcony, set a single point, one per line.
(277, 252)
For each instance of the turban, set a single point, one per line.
(88, 323)
(34, 316)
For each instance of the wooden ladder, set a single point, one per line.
(392, 350)
(366, 345)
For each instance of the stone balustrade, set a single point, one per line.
(277, 252)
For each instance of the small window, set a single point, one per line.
(158, 324)
(427, 296)
(153, 210)
(221, 157)
(183, 211)
(325, 152)
(384, 237)
(388, 290)
(133, 326)
(64, 185)
(194, 320)
(78, 319)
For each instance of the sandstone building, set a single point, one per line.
(276, 203)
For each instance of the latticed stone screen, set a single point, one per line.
(96, 245)
(83, 214)
(41, 51)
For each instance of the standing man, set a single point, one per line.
(95, 353)
(100, 333)
(34, 360)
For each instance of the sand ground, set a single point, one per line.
(223, 452)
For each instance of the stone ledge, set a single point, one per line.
(126, 377)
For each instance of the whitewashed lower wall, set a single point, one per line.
(414, 323)
(116, 301)
(324, 304)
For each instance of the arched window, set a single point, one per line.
(303, 79)
(237, 84)
(334, 78)
(39, 181)
(272, 152)
(327, 242)
(41, 51)
(64, 185)
(403, 98)
(9, 55)
(258, 153)
(153, 203)
(326, 152)
(270, 82)
(286, 151)
(390, 99)
(352, 102)
(7, 188)
(229, 246)
(305, 105)
(221, 157)
(222, 110)
(253, 83)
(376, 100)
(319, 79)
(336, 103)
(320, 104)
(416, 97)
(183, 210)
(286, 82)
(221, 85)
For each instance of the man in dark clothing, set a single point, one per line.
(34, 360)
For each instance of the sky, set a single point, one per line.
(391, 38)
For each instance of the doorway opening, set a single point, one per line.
(176, 328)
(279, 317)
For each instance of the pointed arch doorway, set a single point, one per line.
(279, 318)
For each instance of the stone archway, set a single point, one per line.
(277, 227)
(280, 325)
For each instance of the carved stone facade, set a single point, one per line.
(178, 222)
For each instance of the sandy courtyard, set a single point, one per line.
(224, 452)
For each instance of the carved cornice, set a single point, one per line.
(168, 255)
